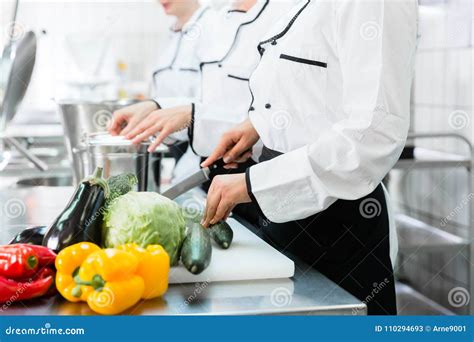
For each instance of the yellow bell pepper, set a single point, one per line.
(112, 274)
(68, 262)
(112, 280)
(153, 268)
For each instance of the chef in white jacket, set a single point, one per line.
(177, 74)
(177, 71)
(227, 60)
(331, 106)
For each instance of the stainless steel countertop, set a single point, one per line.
(308, 292)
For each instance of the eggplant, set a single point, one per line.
(81, 220)
(31, 235)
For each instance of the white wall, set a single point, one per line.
(134, 31)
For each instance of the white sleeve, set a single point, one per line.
(208, 124)
(169, 102)
(349, 160)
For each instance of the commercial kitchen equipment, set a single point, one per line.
(116, 155)
(18, 60)
(419, 237)
(80, 118)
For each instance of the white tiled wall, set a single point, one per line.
(133, 31)
(442, 91)
(130, 31)
(442, 101)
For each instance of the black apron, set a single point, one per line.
(348, 243)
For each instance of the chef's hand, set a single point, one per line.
(130, 117)
(235, 145)
(162, 121)
(225, 192)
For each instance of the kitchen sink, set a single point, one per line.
(62, 180)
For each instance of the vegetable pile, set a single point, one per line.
(114, 279)
(142, 234)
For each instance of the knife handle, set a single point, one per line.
(218, 169)
(218, 164)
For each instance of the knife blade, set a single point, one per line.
(188, 183)
(197, 178)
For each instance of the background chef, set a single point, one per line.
(228, 59)
(177, 72)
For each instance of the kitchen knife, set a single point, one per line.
(197, 178)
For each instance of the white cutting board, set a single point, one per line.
(249, 257)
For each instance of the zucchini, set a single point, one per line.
(222, 234)
(196, 251)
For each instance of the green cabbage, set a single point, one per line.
(145, 218)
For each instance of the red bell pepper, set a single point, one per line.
(18, 261)
(45, 255)
(12, 290)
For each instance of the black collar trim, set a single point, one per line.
(237, 34)
(236, 11)
(287, 28)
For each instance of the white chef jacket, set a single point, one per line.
(178, 74)
(177, 71)
(332, 94)
(228, 60)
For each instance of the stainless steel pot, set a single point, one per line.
(80, 118)
(117, 155)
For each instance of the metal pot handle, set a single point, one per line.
(81, 150)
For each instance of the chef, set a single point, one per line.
(177, 70)
(177, 73)
(331, 106)
(228, 59)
